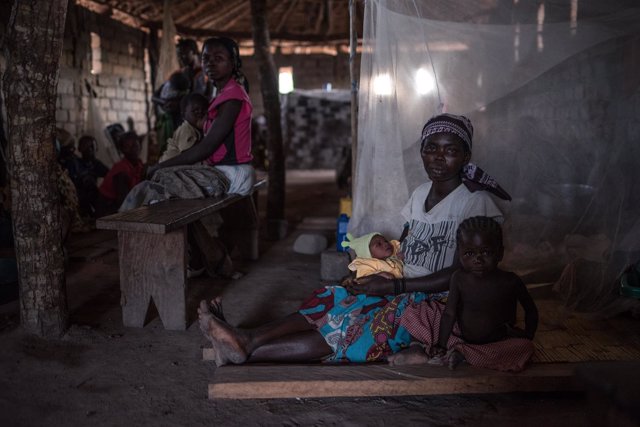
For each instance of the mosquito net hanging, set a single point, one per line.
(551, 88)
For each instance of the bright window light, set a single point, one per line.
(425, 82)
(96, 54)
(285, 79)
(382, 85)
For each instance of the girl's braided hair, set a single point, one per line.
(482, 224)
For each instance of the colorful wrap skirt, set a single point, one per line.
(361, 328)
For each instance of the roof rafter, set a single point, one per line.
(286, 14)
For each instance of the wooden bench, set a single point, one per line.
(152, 246)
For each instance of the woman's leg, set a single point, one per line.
(307, 346)
(291, 338)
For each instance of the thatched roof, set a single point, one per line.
(317, 21)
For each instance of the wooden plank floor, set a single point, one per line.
(564, 341)
(309, 381)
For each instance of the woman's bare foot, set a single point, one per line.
(215, 306)
(413, 355)
(226, 343)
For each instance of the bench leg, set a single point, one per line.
(153, 266)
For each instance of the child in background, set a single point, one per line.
(123, 176)
(375, 255)
(194, 110)
(89, 170)
(478, 322)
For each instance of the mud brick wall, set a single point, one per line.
(317, 128)
(120, 86)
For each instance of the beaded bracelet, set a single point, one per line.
(399, 286)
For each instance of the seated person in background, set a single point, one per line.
(122, 177)
(89, 170)
(194, 110)
(478, 322)
(375, 255)
(67, 165)
(189, 57)
(66, 148)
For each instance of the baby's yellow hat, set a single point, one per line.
(360, 245)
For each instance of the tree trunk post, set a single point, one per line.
(33, 49)
(276, 225)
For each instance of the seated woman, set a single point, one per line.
(362, 323)
(226, 144)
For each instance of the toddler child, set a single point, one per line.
(478, 322)
(375, 255)
(194, 110)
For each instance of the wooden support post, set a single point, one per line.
(34, 40)
(271, 100)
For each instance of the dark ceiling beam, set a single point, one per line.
(329, 13)
(285, 15)
(187, 30)
(198, 11)
(214, 19)
(242, 13)
(320, 17)
(246, 35)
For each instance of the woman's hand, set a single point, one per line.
(371, 285)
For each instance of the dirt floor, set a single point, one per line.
(101, 373)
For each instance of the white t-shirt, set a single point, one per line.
(430, 245)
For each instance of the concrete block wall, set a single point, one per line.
(121, 88)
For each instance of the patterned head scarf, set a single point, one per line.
(460, 126)
(234, 53)
(473, 177)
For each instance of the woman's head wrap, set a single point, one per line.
(449, 123)
(473, 177)
(360, 245)
(234, 53)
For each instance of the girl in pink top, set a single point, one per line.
(226, 144)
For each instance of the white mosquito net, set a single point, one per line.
(551, 88)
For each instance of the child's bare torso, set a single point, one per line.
(487, 305)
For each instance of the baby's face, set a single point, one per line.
(479, 253)
(380, 247)
(195, 113)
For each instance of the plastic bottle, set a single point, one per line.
(341, 231)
